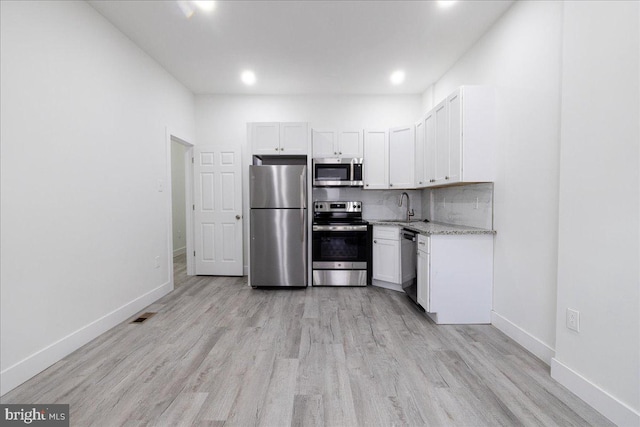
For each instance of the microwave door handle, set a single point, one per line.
(352, 170)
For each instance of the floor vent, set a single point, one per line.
(143, 317)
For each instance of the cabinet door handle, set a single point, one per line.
(277, 148)
(340, 153)
(390, 185)
(367, 185)
(419, 182)
(421, 243)
(375, 241)
(334, 153)
(446, 177)
(282, 149)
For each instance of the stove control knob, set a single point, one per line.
(355, 206)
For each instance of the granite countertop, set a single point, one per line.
(429, 228)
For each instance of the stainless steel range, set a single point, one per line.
(340, 250)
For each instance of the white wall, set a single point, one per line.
(599, 250)
(521, 57)
(83, 154)
(222, 119)
(178, 217)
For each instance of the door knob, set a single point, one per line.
(238, 217)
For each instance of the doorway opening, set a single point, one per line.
(181, 240)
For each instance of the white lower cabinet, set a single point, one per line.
(386, 256)
(455, 276)
(423, 272)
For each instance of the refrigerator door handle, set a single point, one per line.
(303, 191)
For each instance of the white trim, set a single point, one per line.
(27, 368)
(609, 406)
(188, 196)
(246, 270)
(387, 285)
(539, 349)
(180, 251)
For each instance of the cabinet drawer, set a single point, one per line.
(423, 243)
(384, 232)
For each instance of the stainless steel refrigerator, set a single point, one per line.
(278, 201)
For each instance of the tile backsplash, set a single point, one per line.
(376, 204)
(470, 205)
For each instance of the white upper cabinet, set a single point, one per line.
(420, 156)
(350, 143)
(294, 138)
(279, 138)
(401, 157)
(441, 142)
(462, 149)
(454, 107)
(376, 165)
(331, 143)
(265, 138)
(324, 143)
(429, 162)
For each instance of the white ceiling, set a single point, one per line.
(305, 47)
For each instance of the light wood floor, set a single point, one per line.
(220, 353)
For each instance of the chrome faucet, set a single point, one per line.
(409, 210)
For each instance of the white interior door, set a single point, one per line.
(218, 211)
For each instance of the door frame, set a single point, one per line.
(188, 182)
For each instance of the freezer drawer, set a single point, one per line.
(278, 247)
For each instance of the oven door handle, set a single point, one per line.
(339, 228)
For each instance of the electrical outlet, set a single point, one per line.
(573, 319)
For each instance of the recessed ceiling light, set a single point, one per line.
(446, 3)
(397, 77)
(248, 77)
(205, 6)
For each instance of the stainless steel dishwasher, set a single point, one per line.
(409, 261)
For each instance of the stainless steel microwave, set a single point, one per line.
(338, 172)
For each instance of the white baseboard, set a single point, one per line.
(612, 408)
(387, 285)
(20, 372)
(180, 251)
(541, 350)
